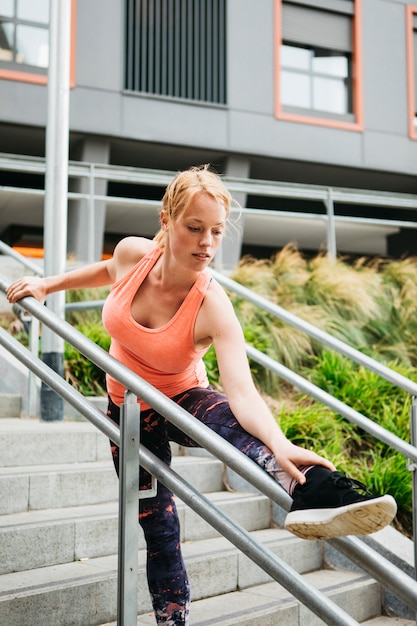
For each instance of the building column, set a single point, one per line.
(230, 251)
(85, 231)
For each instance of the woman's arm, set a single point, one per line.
(95, 275)
(126, 254)
(245, 402)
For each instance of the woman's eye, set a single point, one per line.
(193, 229)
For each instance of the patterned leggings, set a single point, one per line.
(167, 577)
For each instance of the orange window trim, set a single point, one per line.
(357, 77)
(42, 79)
(411, 11)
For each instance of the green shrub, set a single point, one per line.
(368, 303)
(79, 371)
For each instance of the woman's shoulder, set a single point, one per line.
(129, 251)
(217, 303)
(217, 319)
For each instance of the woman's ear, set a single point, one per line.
(163, 219)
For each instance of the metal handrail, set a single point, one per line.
(379, 567)
(320, 335)
(147, 176)
(324, 194)
(339, 407)
(262, 556)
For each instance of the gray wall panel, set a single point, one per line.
(384, 53)
(258, 134)
(391, 153)
(151, 119)
(23, 103)
(99, 44)
(95, 111)
(247, 126)
(250, 56)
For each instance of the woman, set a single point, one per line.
(163, 313)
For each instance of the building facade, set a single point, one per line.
(304, 92)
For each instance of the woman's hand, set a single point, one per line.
(27, 286)
(290, 457)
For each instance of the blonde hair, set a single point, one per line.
(181, 190)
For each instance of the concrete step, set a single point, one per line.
(10, 404)
(80, 483)
(83, 593)
(270, 604)
(28, 442)
(58, 538)
(385, 620)
(61, 535)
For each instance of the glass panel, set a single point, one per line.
(6, 41)
(329, 95)
(331, 65)
(295, 90)
(32, 45)
(33, 11)
(7, 8)
(298, 58)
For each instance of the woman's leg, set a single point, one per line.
(212, 409)
(327, 505)
(167, 576)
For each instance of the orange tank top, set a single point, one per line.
(165, 357)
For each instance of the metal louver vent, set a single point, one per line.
(177, 48)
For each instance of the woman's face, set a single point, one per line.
(193, 239)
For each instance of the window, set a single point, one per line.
(317, 51)
(315, 78)
(24, 34)
(412, 69)
(177, 48)
(24, 39)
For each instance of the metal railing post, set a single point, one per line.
(331, 227)
(412, 467)
(33, 381)
(91, 256)
(127, 587)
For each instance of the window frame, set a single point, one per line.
(411, 52)
(316, 117)
(38, 78)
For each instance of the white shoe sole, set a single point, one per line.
(359, 518)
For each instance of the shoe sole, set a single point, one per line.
(359, 518)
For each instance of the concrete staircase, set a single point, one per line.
(58, 542)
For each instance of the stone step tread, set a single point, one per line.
(72, 484)
(26, 581)
(46, 517)
(385, 620)
(178, 463)
(62, 468)
(34, 425)
(48, 537)
(270, 603)
(53, 591)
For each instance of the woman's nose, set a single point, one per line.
(206, 238)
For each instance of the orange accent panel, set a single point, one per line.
(357, 77)
(73, 44)
(24, 77)
(42, 79)
(410, 11)
(35, 253)
(38, 253)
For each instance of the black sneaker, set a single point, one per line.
(330, 504)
